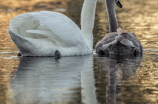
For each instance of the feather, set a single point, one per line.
(127, 43)
(45, 32)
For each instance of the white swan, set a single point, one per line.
(117, 42)
(42, 33)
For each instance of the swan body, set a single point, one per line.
(117, 42)
(42, 33)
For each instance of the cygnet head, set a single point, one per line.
(119, 43)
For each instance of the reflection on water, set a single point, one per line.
(84, 79)
(45, 80)
(116, 75)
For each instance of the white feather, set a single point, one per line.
(42, 33)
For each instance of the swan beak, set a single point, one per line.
(118, 3)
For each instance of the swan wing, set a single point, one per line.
(61, 26)
(124, 39)
(112, 38)
(46, 24)
(47, 34)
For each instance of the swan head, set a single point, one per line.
(118, 3)
(119, 43)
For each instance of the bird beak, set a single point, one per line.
(118, 3)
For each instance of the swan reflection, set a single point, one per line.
(72, 80)
(118, 71)
(45, 80)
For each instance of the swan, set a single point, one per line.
(118, 41)
(48, 33)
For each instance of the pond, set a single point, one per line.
(82, 79)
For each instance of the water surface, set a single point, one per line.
(82, 79)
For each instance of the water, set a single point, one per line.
(82, 79)
(45, 80)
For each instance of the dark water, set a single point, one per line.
(82, 79)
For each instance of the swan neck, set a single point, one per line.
(87, 19)
(110, 6)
